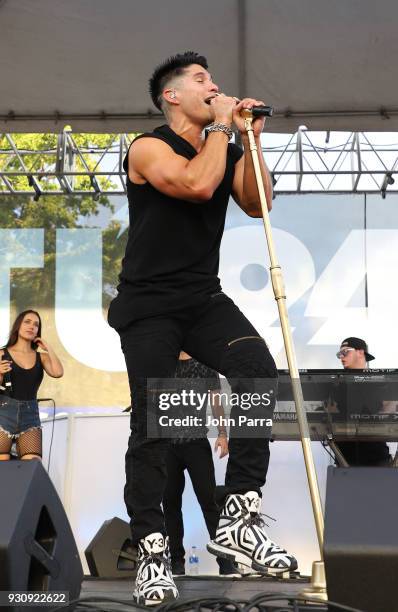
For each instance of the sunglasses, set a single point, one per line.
(344, 352)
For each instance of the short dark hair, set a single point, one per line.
(171, 67)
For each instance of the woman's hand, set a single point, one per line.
(50, 361)
(41, 344)
(5, 366)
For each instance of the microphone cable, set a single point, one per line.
(49, 399)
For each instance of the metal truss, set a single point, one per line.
(333, 162)
(304, 162)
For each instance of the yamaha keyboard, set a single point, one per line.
(347, 404)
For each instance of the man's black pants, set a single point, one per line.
(194, 456)
(217, 334)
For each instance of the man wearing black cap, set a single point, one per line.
(354, 355)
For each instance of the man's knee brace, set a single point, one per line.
(252, 375)
(248, 357)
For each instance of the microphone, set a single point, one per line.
(6, 384)
(262, 111)
(257, 111)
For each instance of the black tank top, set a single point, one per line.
(172, 254)
(24, 383)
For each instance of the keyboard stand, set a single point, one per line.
(340, 459)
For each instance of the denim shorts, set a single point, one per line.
(18, 416)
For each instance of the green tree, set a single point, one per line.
(56, 211)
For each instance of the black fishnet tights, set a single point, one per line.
(5, 443)
(28, 443)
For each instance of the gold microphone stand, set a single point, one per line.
(317, 590)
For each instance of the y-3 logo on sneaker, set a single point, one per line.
(156, 542)
(252, 504)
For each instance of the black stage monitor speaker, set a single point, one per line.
(361, 537)
(37, 548)
(110, 553)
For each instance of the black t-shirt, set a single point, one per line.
(172, 254)
(360, 398)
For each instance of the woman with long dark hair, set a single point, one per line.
(21, 373)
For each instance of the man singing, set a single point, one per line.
(170, 299)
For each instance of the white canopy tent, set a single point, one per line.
(328, 64)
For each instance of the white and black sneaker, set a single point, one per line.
(241, 537)
(154, 583)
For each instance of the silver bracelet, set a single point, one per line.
(220, 127)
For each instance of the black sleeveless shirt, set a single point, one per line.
(24, 382)
(172, 254)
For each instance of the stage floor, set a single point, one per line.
(236, 589)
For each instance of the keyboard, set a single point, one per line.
(350, 404)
